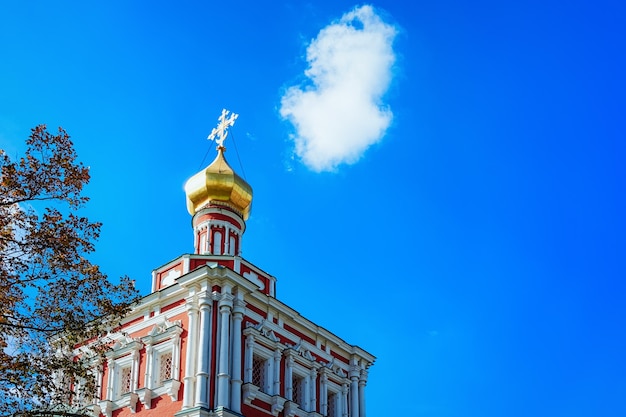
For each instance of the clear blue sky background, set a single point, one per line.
(477, 248)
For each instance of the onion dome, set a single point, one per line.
(219, 185)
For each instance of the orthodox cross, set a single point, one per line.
(221, 131)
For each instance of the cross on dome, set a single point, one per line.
(221, 131)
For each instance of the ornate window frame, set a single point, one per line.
(124, 354)
(160, 365)
(335, 389)
(302, 373)
(163, 338)
(265, 384)
(263, 343)
(267, 356)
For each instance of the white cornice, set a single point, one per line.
(301, 323)
(205, 277)
(219, 210)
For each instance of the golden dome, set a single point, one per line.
(218, 183)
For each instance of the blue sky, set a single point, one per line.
(449, 197)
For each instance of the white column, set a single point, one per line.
(248, 358)
(202, 375)
(223, 378)
(176, 356)
(313, 401)
(277, 356)
(324, 393)
(344, 399)
(111, 379)
(355, 372)
(135, 371)
(306, 401)
(98, 381)
(190, 360)
(362, 383)
(226, 240)
(289, 376)
(235, 388)
(237, 244)
(149, 366)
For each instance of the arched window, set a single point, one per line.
(231, 245)
(217, 243)
(204, 239)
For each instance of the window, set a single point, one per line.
(121, 370)
(260, 366)
(125, 379)
(298, 390)
(162, 361)
(301, 385)
(333, 398)
(332, 405)
(217, 243)
(79, 389)
(165, 368)
(231, 245)
(258, 372)
(204, 241)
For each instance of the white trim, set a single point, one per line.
(268, 373)
(124, 356)
(334, 389)
(206, 223)
(304, 374)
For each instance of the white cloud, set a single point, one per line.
(339, 113)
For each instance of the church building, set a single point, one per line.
(212, 339)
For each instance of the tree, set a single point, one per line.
(52, 298)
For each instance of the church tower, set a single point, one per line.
(212, 339)
(219, 201)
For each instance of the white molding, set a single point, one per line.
(304, 350)
(250, 392)
(278, 403)
(125, 354)
(219, 210)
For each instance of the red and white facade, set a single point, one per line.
(213, 340)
